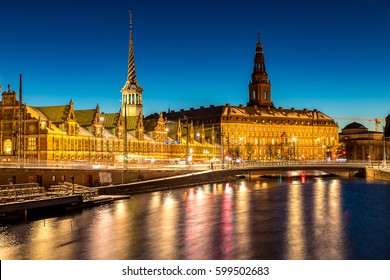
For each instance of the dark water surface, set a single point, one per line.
(265, 219)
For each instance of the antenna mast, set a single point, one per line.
(20, 132)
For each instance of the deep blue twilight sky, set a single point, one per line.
(333, 55)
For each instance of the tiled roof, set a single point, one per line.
(275, 113)
(36, 113)
(85, 117)
(131, 122)
(57, 114)
(209, 112)
(111, 120)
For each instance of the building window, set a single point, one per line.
(32, 144)
(265, 95)
(7, 147)
(98, 145)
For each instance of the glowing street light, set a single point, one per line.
(294, 139)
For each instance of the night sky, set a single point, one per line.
(331, 55)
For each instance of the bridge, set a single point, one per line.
(200, 176)
(47, 175)
(348, 169)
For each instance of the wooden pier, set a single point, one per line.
(18, 201)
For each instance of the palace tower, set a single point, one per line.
(260, 86)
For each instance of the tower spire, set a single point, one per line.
(131, 91)
(131, 76)
(259, 86)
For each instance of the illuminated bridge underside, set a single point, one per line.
(339, 169)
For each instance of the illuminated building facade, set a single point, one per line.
(260, 131)
(64, 134)
(257, 131)
(358, 143)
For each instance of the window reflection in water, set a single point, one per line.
(197, 235)
(161, 227)
(296, 247)
(227, 224)
(242, 222)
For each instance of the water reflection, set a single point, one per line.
(227, 224)
(197, 228)
(242, 239)
(295, 224)
(262, 219)
(161, 227)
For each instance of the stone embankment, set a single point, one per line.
(378, 173)
(173, 182)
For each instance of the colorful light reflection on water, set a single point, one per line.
(263, 219)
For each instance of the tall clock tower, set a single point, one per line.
(131, 91)
(260, 85)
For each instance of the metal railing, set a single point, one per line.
(203, 165)
(20, 192)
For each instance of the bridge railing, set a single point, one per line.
(84, 165)
(304, 163)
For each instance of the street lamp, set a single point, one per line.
(187, 151)
(72, 178)
(293, 140)
(125, 138)
(384, 164)
(207, 153)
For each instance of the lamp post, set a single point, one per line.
(294, 139)
(187, 151)
(207, 152)
(167, 143)
(125, 139)
(331, 147)
(72, 178)
(384, 164)
(222, 147)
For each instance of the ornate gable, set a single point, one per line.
(98, 122)
(71, 123)
(139, 131)
(160, 133)
(179, 130)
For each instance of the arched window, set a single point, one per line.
(7, 147)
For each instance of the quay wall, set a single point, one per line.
(375, 173)
(90, 178)
(181, 181)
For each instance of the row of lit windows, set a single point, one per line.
(279, 121)
(110, 146)
(300, 153)
(280, 129)
(299, 140)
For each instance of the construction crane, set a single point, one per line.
(376, 120)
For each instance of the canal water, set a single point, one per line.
(275, 218)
